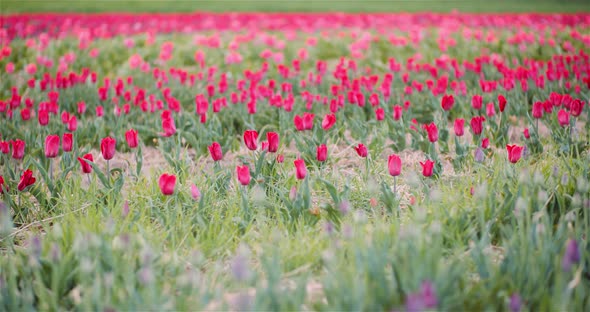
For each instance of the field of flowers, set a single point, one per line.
(249, 161)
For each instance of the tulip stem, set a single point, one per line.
(245, 204)
(178, 149)
(50, 169)
(254, 161)
(367, 168)
(137, 165)
(109, 169)
(395, 186)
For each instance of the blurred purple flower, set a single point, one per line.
(293, 193)
(195, 192)
(328, 227)
(571, 255)
(36, 246)
(125, 211)
(344, 207)
(422, 300)
(146, 275)
(515, 303)
(55, 252)
(414, 303)
(479, 156)
(429, 295)
(239, 266)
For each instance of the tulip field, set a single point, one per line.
(295, 161)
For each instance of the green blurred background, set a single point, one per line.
(87, 6)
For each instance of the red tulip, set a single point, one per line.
(526, 134)
(501, 102)
(4, 147)
(168, 126)
(107, 148)
(361, 150)
(427, 167)
(9, 67)
(243, 173)
(490, 109)
(25, 114)
(322, 152)
(374, 99)
(3, 187)
(329, 121)
(395, 165)
(379, 114)
(250, 139)
(432, 131)
(51, 146)
(563, 118)
(477, 102)
(81, 108)
(300, 169)
(99, 111)
(215, 151)
(514, 152)
(459, 126)
(18, 149)
(477, 124)
(73, 124)
(26, 179)
(86, 167)
(537, 110)
(280, 158)
(67, 142)
(547, 107)
(397, 112)
(167, 183)
(298, 122)
(447, 102)
(308, 121)
(43, 117)
(485, 143)
(131, 138)
(555, 98)
(576, 107)
(273, 142)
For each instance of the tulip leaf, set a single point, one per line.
(332, 190)
(103, 179)
(139, 161)
(118, 184)
(44, 174)
(190, 138)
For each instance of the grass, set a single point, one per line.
(475, 236)
(478, 6)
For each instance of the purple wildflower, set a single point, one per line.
(515, 303)
(429, 295)
(423, 299)
(479, 156)
(571, 255)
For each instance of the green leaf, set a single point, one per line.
(103, 179)
(118, 185)
(139, 158)
(190, 138)
(43, 173)
(332, 190)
